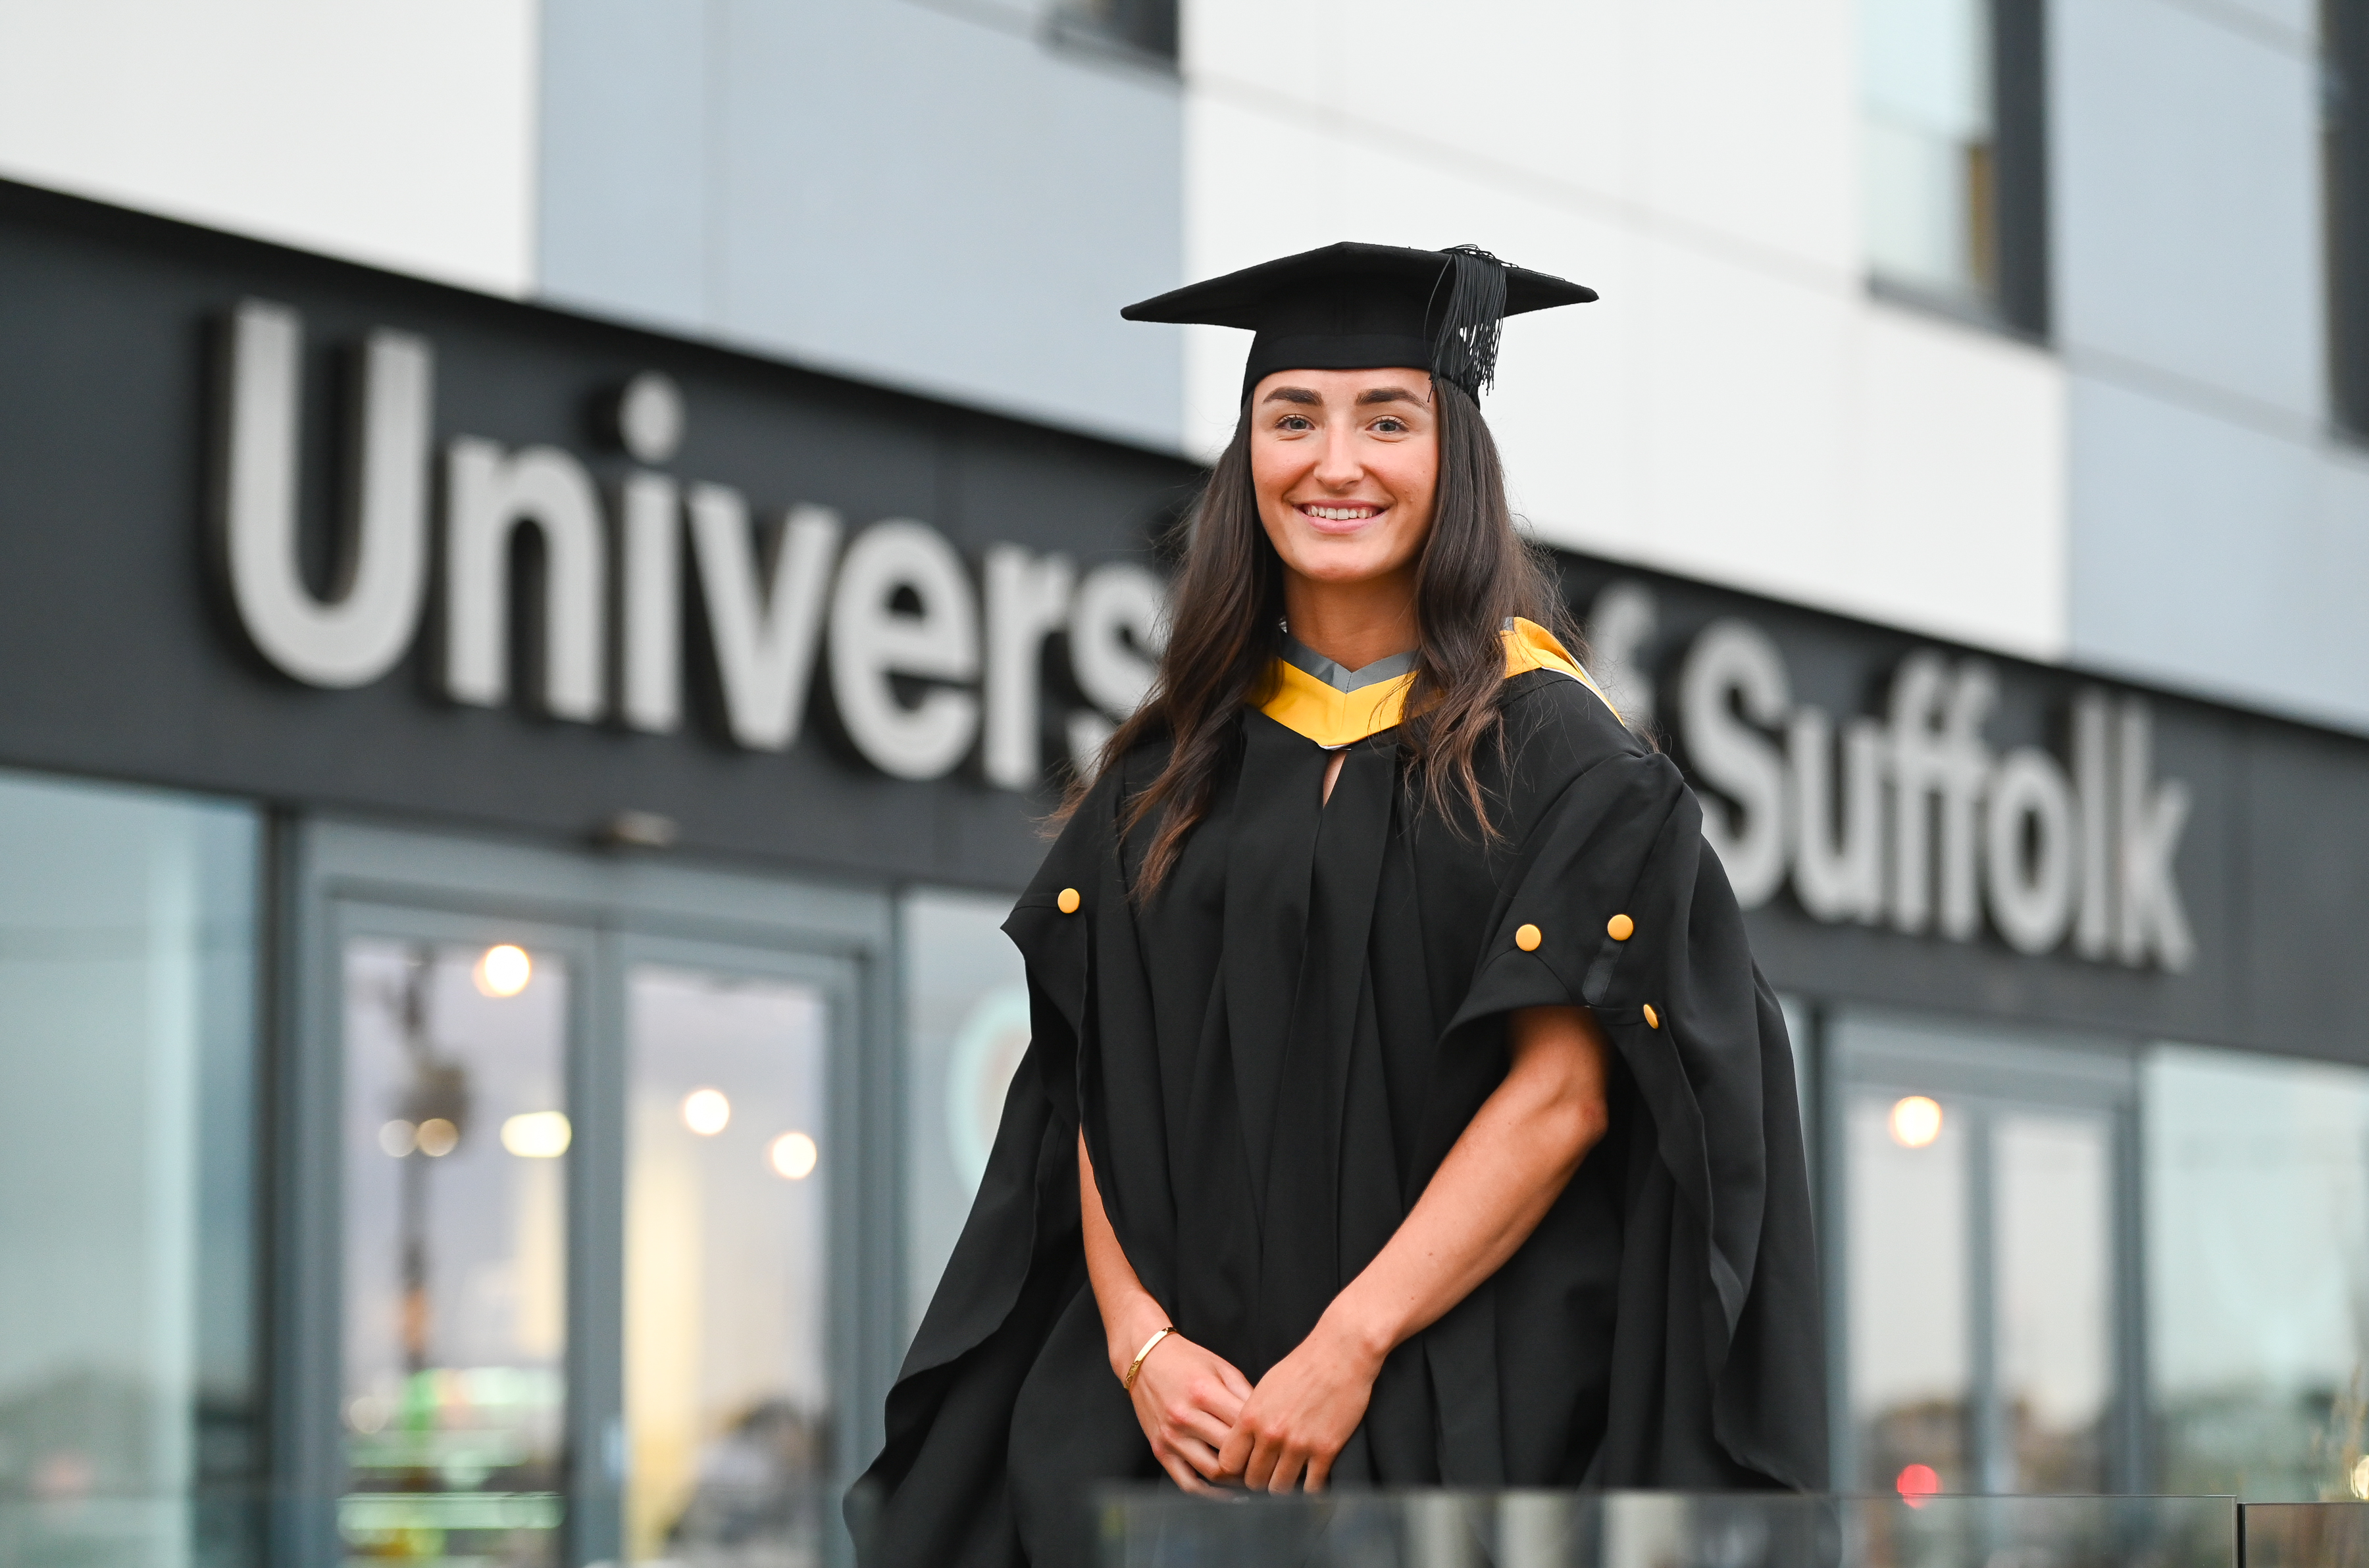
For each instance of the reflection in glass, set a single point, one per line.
(1927, 135)
(966, 1023)
(728, 1394)
(1908, 1250)
(127, 972)
(2258, 1263)
(2054, 1218)
(455, 1135)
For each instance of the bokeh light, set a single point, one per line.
(792, 1156)
(1916, 1123)
(1916, 1482)
(706, 1112)
(398, 1137)
(537, 1135)
(438, 1137)
(503, 971)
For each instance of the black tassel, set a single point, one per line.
(1465, 349)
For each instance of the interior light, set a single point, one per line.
(537, 1135)
(2361, 1478)
(706, 1112)
(1916, 1123)
(504, 970)
(398, 1137)
(438, 1137)
(1916, 1482)
(792, 1156)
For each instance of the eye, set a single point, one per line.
(1391, 425)
(1294, 422)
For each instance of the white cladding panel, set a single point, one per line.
(1736, 407)
(1731, 118)
(398, 132)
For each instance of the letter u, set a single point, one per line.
(367, 622)
(1837, 874)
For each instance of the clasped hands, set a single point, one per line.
(1210, 1428)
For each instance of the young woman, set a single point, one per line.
(1404, 1107)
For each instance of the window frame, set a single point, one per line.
(603, 913)
(1992, 1068)
(2019, 301)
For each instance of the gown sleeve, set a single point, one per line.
(1615, 903)
(937, 1493)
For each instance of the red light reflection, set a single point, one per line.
(1916, 1482)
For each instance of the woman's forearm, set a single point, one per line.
(1129, 1315)
(1505, 1172)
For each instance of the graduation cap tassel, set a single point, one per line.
(1465, 351)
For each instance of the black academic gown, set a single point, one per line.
(1272, 1055)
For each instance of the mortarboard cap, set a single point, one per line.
(1355, 308)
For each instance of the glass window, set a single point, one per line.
(456, 1131)
(965, 1029)
(1955, 172)
(1911, 1340)
(728, 1388)
(2257, 1262)
(2344, 191)
(2053, 1175)
(1980, 1243)
(127, 1005)
(1926, 133)
(1142, 28)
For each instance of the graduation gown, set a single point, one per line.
(1272, 1054)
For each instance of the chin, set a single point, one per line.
(1344, 571)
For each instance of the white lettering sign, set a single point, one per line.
(1912, 820)
(892, 617)
(363, 629)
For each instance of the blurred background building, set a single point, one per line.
(466, 1118)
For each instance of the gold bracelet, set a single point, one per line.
(1127, 1383)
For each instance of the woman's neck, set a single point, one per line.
(1352, 623)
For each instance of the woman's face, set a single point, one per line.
(1345, 464)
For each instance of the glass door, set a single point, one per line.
(730, 1163)
(455, 1137)
(1984, 1245)
(584, 1210)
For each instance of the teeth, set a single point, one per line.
(1341, 514)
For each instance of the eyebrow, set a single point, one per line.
(1371, 395)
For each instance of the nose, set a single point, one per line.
(1338, 467)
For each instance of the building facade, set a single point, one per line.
(556, 554)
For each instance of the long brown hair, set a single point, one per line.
(1224, 634)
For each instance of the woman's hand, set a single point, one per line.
(1294, 1423)
(1503, 1173)
(1187, 1399)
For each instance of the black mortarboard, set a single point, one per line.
(1358, 307)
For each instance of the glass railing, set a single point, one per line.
(718, 1523)
(2306, 1535)
(1159, 1528)
(1152, 1528)
(60, 1527)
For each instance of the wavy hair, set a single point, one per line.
(1474, 572)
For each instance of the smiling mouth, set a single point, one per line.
(1339, 514)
